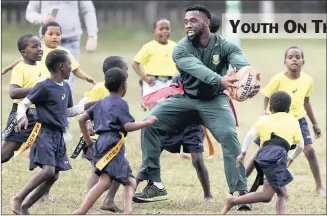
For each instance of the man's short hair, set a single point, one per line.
(201, 8)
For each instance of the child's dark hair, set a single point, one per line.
(23, 42)
(280, 101)
(114, 79)
(54, 58)
(201, 8)
(155, 23)
(214, 23)
(113, 61)
(294, 47)
(49, 24)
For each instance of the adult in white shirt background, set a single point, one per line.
(68, 17)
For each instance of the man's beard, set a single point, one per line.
(196, 37)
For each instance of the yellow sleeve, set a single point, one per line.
(310, 90)
(94, 94)
(271, 88)
(258, 126)
(297, 136)
(142, 56)
(17, 76)
(75, 63)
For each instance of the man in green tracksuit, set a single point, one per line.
(203, 60)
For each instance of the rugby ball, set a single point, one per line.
(247, 77)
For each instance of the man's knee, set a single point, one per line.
(309, 152)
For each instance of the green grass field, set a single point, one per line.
(178, 174)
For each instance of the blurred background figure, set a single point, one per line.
(67, 14)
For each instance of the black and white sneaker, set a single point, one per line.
(150, 193)
(243, 207)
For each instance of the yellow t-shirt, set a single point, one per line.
(298, 89)
(46, 50)
(98, 92)
(157, 59)
(281, 124)
(27, 76)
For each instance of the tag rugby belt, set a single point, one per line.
(104, 161)
(12, 124)
(82, 145)
(30, 140)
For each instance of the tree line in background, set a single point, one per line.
(115, 13)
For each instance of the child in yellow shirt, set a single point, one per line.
(26, 74)
(278, 133)
(51, 36)
(299, 86)
(156, 59)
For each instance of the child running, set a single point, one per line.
(53, 100)
(51, 36)
(99, 92)
(25, 76)
(112, 121)
(278, 133)
(299, 86)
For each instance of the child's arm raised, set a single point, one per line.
(82, 75)
(308, 109)
(247, 140)
(10, 67)
(133, 126)
(82, 125)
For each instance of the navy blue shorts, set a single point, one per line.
(87, 153)
(21, 136)
(305, 133)
(191, 139)
(49, 149)
(272, 160)
(118, 168)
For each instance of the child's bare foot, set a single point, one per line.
(47, 198)
(186, 155)
(208, 200)
(77, 212)
(210, 157)
(25, 211)
(112, 207)
(16, 205)
(92, 211)
(228, 205)
(128, 212)
(321, 192)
